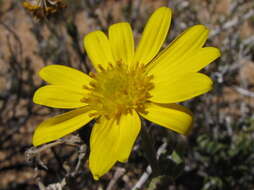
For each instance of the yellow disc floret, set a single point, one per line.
(119, 90)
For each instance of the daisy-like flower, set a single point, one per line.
(129, 83)
(43, 8)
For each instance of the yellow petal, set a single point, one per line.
(63, 75)
(98, 49)
(153, 36)
(129, 129)
(180, 88)
(122, 42)
(184, 47)
(194, 63)
(171, 116)
(112, 140)
(199, 60)
(59, 97)
(103, 147)
(61, 125)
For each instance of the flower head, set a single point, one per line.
(128, 84)
(43, 8)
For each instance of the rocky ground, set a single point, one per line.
(218, 154)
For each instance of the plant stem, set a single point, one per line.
(149, 150)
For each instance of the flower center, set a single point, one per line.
(119, 90)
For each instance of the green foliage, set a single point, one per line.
(226, 161)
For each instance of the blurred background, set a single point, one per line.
(219, 152)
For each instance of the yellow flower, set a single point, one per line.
(43, 8)
(127, 84)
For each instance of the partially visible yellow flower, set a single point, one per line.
(43, 8)
(128, 83)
